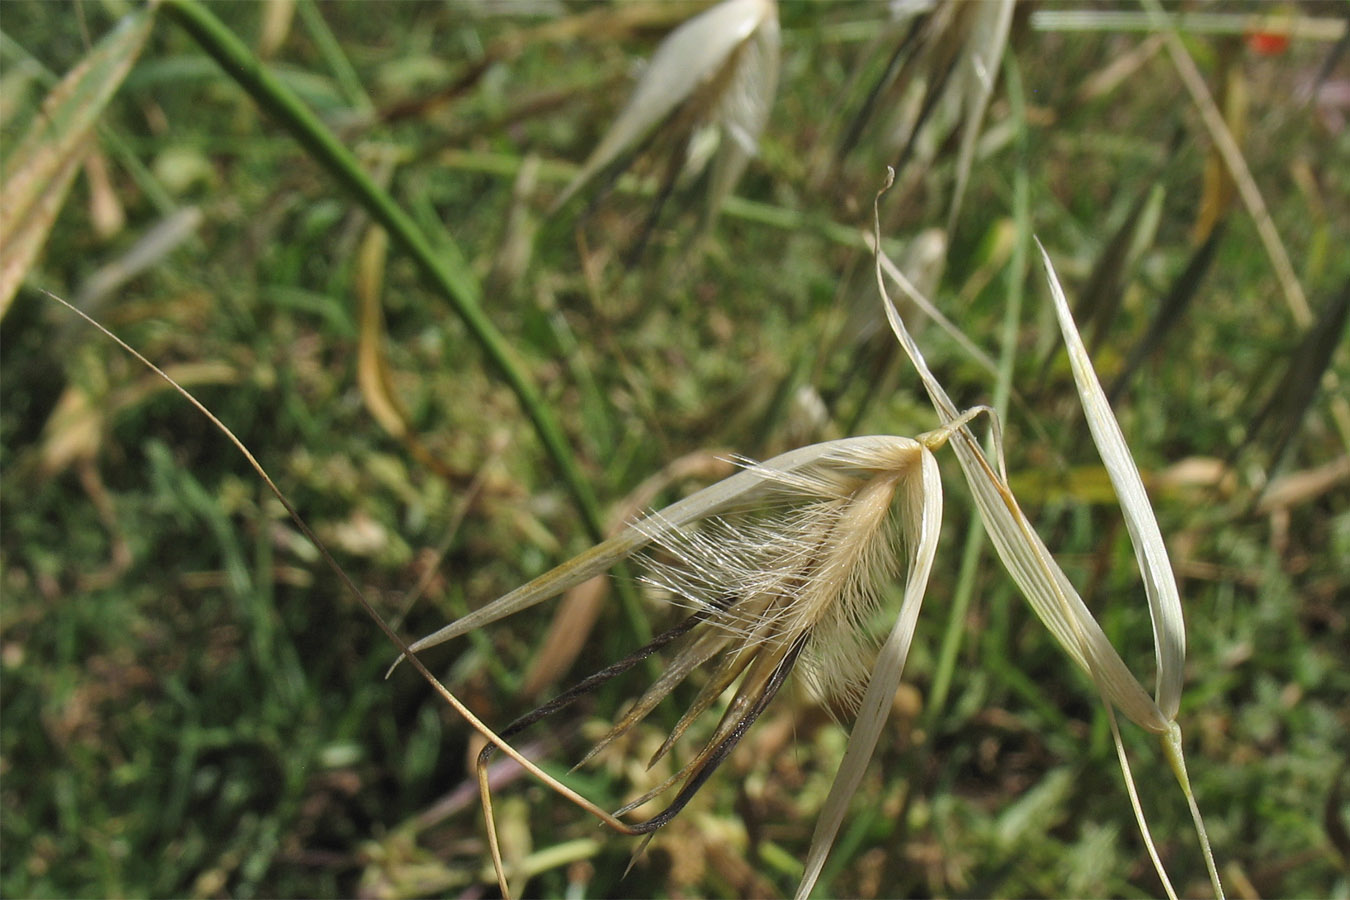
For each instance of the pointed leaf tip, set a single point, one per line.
(1169, 630)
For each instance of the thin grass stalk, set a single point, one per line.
(1237, 164)
(330, 48)
(1012, 314)
(1328, 29)
(394, 637)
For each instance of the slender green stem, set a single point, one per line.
(331, 49)
(448, 271)
(1017, 267)
(1176, 758)
(1012, 314)
(956, 619)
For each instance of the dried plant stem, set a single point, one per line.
(494, 845)
(1116, 21)
(1228, 148)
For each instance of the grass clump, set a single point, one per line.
(191, 705)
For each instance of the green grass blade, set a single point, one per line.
(1012, 314)
(1170, 310)
(1101, 298)
(333, 54)
(449, 272)
(1306, 370)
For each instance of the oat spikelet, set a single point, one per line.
(811, 561)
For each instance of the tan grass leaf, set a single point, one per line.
(39, 171)
(1169, 629)
(1031, 565)
(105, 208)
(372, 369)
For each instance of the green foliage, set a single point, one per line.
(191, 704)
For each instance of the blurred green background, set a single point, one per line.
(192, 705)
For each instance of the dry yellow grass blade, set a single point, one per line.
(39, 171)
(372, 370)
(1228, 148)
(1297, 488)
(1169, 630)
(1219, 186)
(105, 208)
(275, 26)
